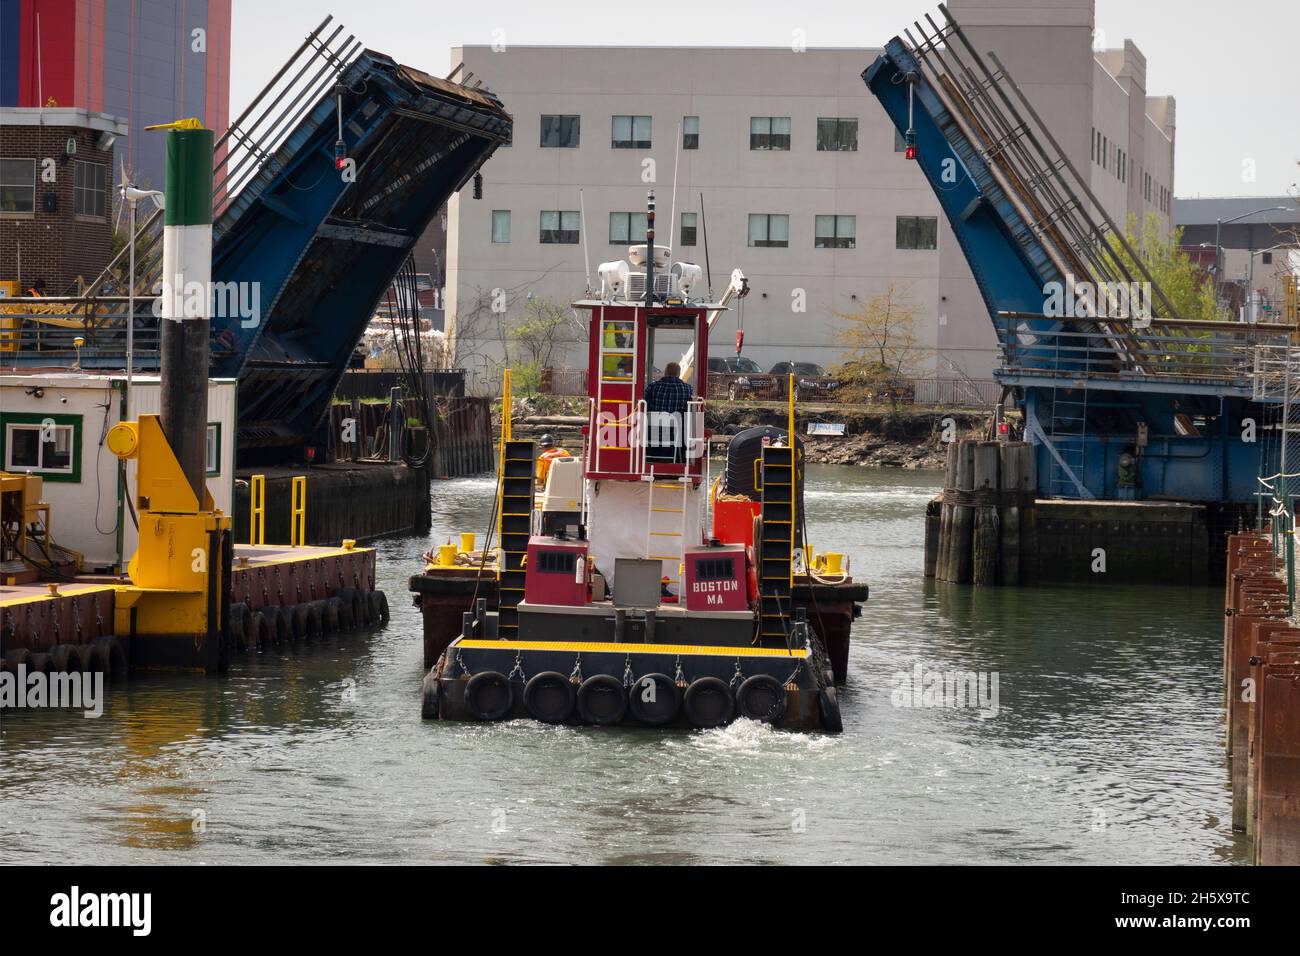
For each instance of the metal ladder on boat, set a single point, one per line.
(658, 542)
(516, 525)
(776, 545)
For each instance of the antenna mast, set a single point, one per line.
(586, 253)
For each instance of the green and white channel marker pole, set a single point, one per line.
(187, 297)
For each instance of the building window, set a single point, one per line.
(560, 132)
(626, 228)
(631, 132)
(18, 186)
(769, 230)
(500, 225)
(769, 132)
(1105, 153)
(89, 192)
(837, 135)
(45, 445)
(916, 232)
(560, 226)
(212, 454)
(836, 232)
(1093, 144)
(688, 229)
(690, 132)
(1266, 258)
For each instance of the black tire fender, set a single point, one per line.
(488, 695)
(761, 697)
(110, 648)
(830, 711)
(65, 659)
(708, 703)
(549, 697)
(654, 699)
(602, 700)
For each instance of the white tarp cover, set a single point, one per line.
(619, 521)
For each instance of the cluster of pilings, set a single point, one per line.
(980, 530)
(1261, 677)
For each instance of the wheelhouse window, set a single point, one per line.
(18, 186)
(626, 228)
(836, 232)
(690, 132)
(617, 350)
(631, 132)
(769, 230)
(45, 445)
(501, 225)
(560, 131)
(769, 132)
(688, 228)
(835, 134)
(560, 226)
(916, 232)
(89, 192)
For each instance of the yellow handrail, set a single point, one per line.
(298, 520)
(257, 510)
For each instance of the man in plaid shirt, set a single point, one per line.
(667, 397)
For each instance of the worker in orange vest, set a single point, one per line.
(548, 455)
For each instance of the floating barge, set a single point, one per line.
(629, 585)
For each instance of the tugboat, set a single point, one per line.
(633, 587)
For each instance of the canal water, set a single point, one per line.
(1102, 745)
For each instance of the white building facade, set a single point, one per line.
(791, 165)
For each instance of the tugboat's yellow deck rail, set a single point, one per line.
(585, 647)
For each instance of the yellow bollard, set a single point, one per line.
(834, 562)
(446, 555)
(467, 541)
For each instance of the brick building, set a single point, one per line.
(56, 195)
(149, 61)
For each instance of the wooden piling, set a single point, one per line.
(963, 517)
(933, 519)
(945, 513)
(984, 545)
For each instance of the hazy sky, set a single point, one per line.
(1232, 66)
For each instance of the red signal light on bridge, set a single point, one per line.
(911, 152)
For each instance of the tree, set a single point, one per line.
(1184, 285)
(882, 349)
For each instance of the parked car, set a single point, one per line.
(811, 381)
(740, 377)
(873, 382)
